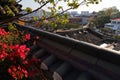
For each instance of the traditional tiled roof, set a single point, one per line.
(85, 34)
(70, 59)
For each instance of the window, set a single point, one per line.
(118, 22)
(113, 22)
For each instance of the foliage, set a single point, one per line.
(14, 64)
(117, 36)
(69, 26)
(99, 22)
(49, 27)
(103, 17)
(28, 9)
(56, 10)
(111, 12)
(106, 29)
(57, 15)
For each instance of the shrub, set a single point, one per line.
(14, 64)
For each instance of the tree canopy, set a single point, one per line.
(104, 16)
(9, 9)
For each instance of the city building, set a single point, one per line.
(85, 13)
(82, 18)
(85, 16)
(114, 24)
(75, 20)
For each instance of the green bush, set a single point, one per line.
(117, 36)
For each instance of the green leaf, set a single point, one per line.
(60, 7)
(36, 0)
(8, 11)
(44, 12)
(51, 1)
(28, 9)
(35, 18)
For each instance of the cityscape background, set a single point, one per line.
(90, 8)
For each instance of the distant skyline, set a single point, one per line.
(90, 8)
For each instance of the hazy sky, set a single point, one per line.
(91, 8)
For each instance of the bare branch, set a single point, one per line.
(19, 1)
(16, 17)
(82, 3)
(37, 9)
(63, 11)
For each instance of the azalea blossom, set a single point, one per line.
(17, 72)
(27, 37)
(3, 55)
(15, 55)
(3, 32)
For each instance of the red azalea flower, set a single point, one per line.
(21, 48)
(19, 51)
(17, 72)
(37, 37)
(3, 55)
(22, 51)
(16, 54)
(27, 49)
(12, 56)
(11, 47)
(4, 45)
(2, 32)
(16, 46)
(25, 62)
(27, 37)
(22, 55)
(25, 72)
(34, 42)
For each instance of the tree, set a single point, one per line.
(111, 12)
(104, 16)
(115, 15)
(99, 22)
(9, 9)
(102, 20)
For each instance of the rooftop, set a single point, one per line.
(118, 19)
(70, 59)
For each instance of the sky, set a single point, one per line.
(90, 8)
